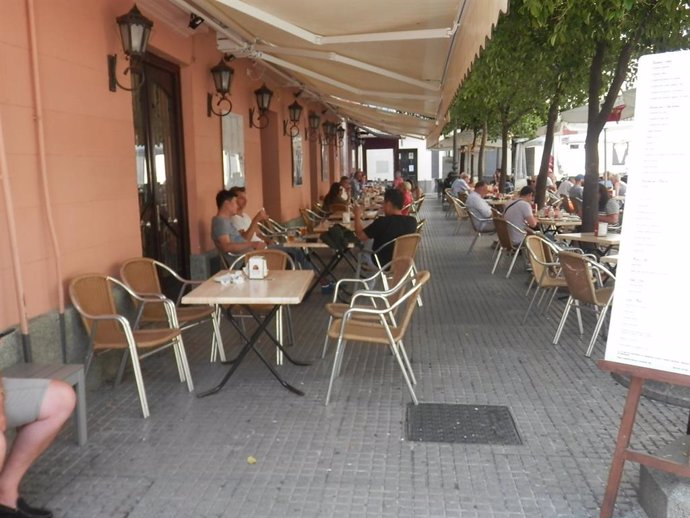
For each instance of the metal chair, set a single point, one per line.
(398, 270)
(584, 278)
(476, 222)
(505, 242)
(546, 272)
(141, 275)
(420, 225)
(92, 296)
(351, 328)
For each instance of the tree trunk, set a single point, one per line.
(463, 156)
(504, 151)
(480, 157)
(548, 146)
(471, 153)
(595, 124)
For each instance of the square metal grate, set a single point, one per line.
(464, 424)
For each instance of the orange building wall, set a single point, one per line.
(90, 144)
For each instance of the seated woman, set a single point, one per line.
(406, 189)
(332, 196)
(608, 207)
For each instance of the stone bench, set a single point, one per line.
(69, 373)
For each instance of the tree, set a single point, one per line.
(611, 33)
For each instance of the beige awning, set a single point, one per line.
(394, 65)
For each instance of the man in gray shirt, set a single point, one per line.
(519, 213)
(576, 190)
(479, 208)
(224, 234)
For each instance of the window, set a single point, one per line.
(233, 150)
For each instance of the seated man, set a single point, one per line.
(388, 227)
(225, 235)
(247, 226)
(609, 208)
(479, 208)
(564, 187)
(460, 184)
(37, 408)
(575, 191)
(519, 213)
(228, 238)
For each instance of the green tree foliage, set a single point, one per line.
(611, 34)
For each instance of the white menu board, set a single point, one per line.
(650, 321)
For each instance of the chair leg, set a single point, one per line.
(340, 358)
(469, 250)
(498, 258)
(579, 317)
(564, 317)
(597, 329)
(338, 352)
(553, 295)
(325, 341)
(288, 323)
(404, 373)
(512, 263)
(529, 287)
(218, 339)
(279, 335)
(531, 303)
(178, 345)
(121, 368)
(403, 352)
(140, 384)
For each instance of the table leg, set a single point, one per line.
(277, 342)
(327, 270)
(622, 443)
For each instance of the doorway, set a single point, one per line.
(160, 165)
(407, 158)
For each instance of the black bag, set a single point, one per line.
(338, 237)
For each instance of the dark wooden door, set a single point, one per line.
(407, 158)
(160, 165)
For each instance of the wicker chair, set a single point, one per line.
(92, 296)
(141, 275)
(585, 282)
(476, 223)
(460, 211)
(546, 272)
(505, 242)
(352, 328)
(398, 270)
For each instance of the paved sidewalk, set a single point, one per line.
(189, 459)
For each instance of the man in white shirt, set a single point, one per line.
(246, 225)
(479, 207)
(564, 187)
(460, 184)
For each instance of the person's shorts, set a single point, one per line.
(23, 398)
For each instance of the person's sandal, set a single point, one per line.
(26, 511)
(8, 512)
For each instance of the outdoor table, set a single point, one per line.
(555, 224)
(325, 225)
(324, 270)
(280, 287)
(611, 259)
(608, 240)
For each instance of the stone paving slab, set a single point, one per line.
(350, 458)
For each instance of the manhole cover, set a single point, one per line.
(468, 424)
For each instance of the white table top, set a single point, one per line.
(280, 287)
(611, 259)
(560, 222)
(589, 237)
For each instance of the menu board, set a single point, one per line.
(650, 318)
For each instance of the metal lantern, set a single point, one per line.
(340, 131)
(135, 30)
(295, 112)
(314, 121)
(222, 77)
(263, 98)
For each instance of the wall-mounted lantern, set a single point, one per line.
(222, 79)
(263, 102)
(135, 30)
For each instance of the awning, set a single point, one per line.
(394, 65)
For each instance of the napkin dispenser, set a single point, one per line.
(256, 267)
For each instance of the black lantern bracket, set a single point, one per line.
(291, 126)
(135, 30)
(222, 80)
(263, 102)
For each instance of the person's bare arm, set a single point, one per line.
(609, 218)
(3, 419)
(225, 244)
(359, 228)
(254, 226)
